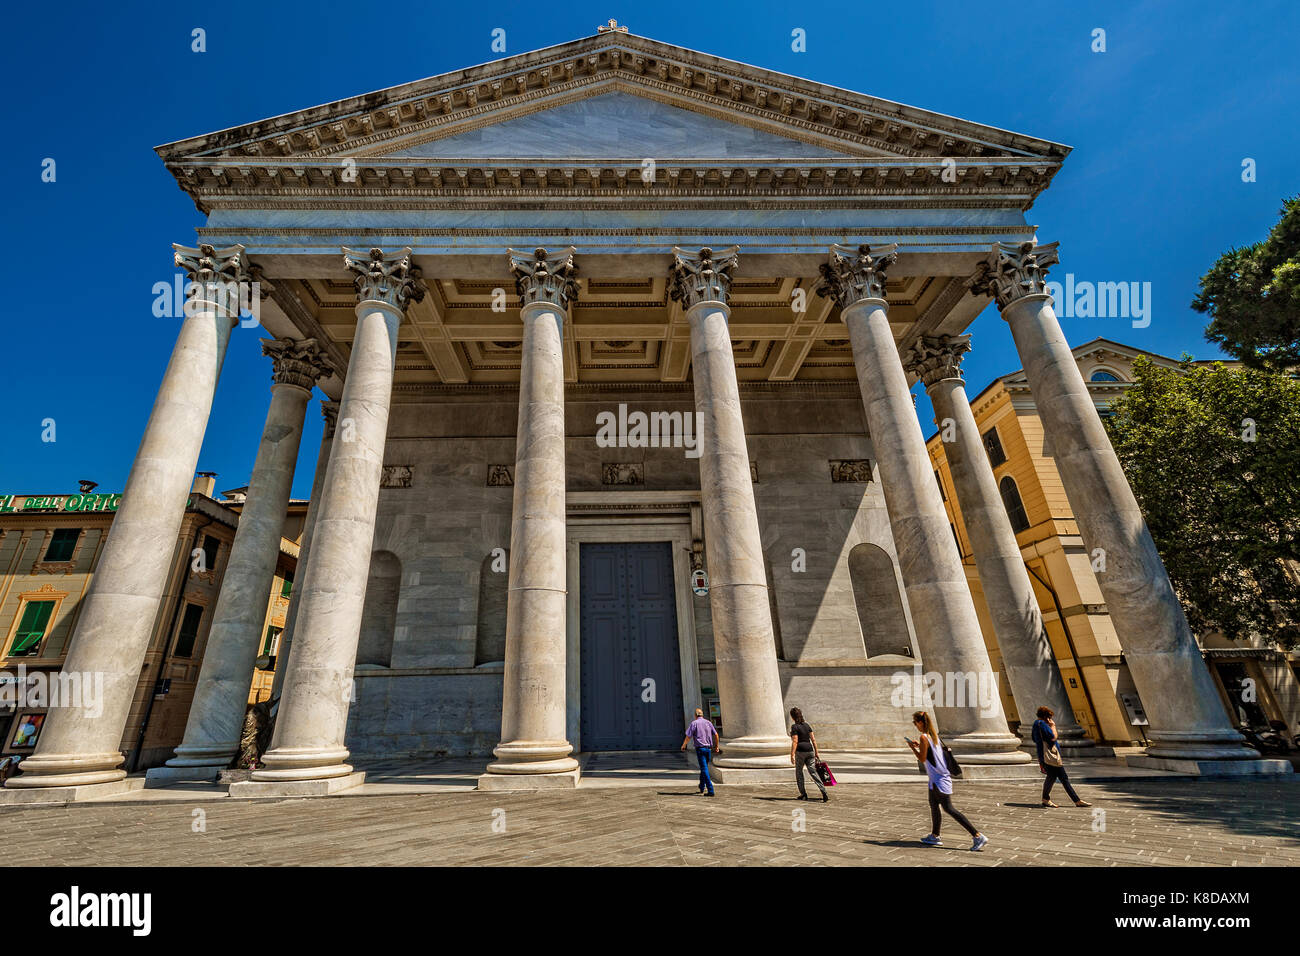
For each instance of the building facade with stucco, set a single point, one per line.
(50, 548)
(621, 337)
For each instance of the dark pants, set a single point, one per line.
(808, 760)
(944, 800)
(702, 754)
(1054, 774)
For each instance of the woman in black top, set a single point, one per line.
(803, 753)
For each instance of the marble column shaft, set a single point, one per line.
(943, 612)
(309, 730)
(1187, 717)
(749, 681)
(1027, 654)
(216, 717)
(533, 736)
(79, 745)
(330, 411)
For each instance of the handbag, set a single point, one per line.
(1052, 756)
(1051, 753)
(949, 760)
(824, 771)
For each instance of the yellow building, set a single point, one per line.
(49, 548)
(1087, 647)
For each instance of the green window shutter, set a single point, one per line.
(287, 588)
(62, 544)
(31, 628)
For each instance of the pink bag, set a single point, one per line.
(824, 771)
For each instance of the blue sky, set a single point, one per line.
(1160, 124)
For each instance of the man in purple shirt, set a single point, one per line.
(705, 736)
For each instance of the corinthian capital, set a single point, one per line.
(300, 362)
(935, 358)
(540, 277)
(391, 279)
(209, 265)
(223, 278)
(1012, 272)
(851, 275)
(702, 277)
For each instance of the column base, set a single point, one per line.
(986, 748)
(167, 774)
(322, 787)
(1225, 745)
(753, 753)
(218, 758)
(286, 765)
(1211, 768)
(68, 770)
(532, 758)
(64, 795)
(496, 781)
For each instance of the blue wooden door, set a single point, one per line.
(630, 668)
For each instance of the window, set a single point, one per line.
(272, 642)
(1015, 507)
(189, 631)
(31, 629)
(939, 481)
(1101, 375)
(211, 547)
(993, 447)
(287, 588)
(62, 544)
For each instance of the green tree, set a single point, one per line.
(1252, 296)
(1213, 456)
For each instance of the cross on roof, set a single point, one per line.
(612, 28)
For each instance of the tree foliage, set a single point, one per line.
(1252, 296)
(1213, 456)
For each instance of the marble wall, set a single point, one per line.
(441, 690)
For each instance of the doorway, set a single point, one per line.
(630, 667)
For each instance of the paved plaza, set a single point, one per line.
(651, 815)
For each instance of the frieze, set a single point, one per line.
(500, 476)
(622, 473)
(850, 469)
(396, 476)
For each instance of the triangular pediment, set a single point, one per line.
(616, 125)
(617, 98)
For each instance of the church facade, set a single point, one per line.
(621, 337)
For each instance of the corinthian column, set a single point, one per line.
(1017, 621)
(307, 755)
(216, 717)
(1188, 720)
(534, 752)
(330, 412)
(749, 682)
(968, 709)
(80, 745)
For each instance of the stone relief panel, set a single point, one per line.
(622, 473)
(850, 469)
(396, 476)
(500, 476)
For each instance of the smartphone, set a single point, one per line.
(909, 740)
